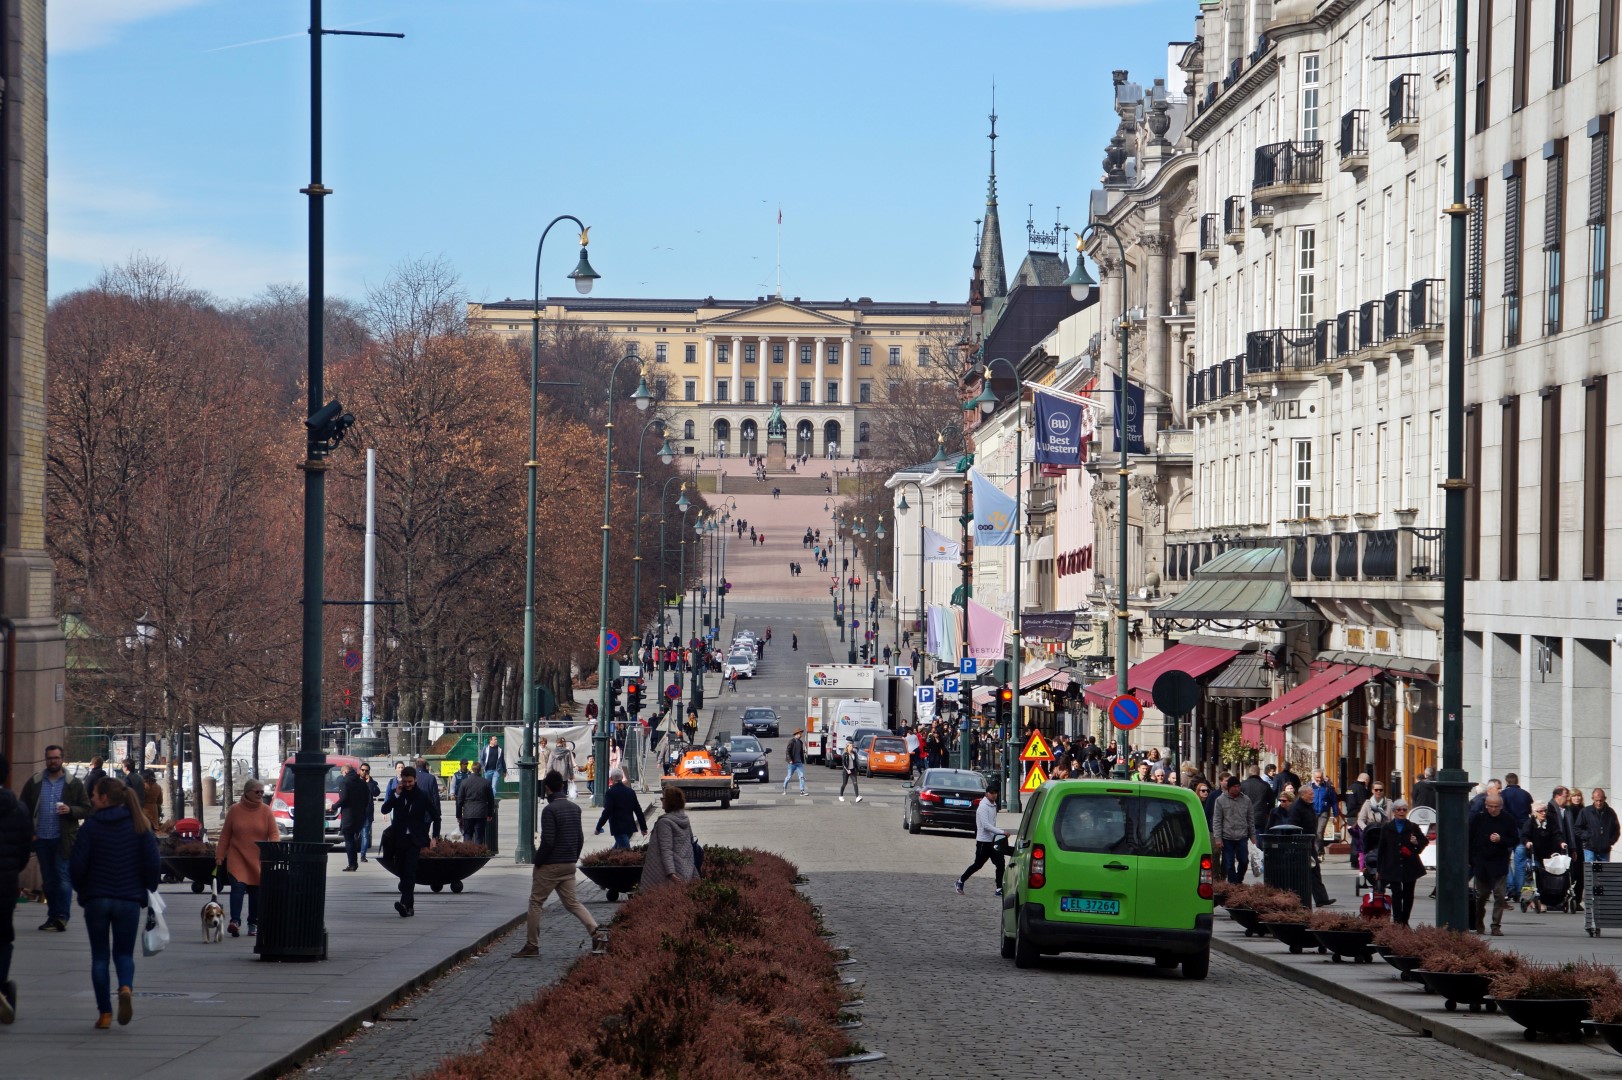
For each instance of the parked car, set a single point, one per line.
(281, 798)
(887, 756)
(748, 759)
(1104, 866)
(863, 739)
(759, 720)
(740, 661)
(943, 799)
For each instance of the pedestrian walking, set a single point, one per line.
(795, 759)
(352, 799)
(1491, 841)
(1397, 859)
(428, 784)
(409, 831)
(622, 811)
(1425, 789)
(475, 806)
(133, 778)
(1518, 805)
(96, 773)
(456, 780)
(16, 839)
(562, 762)
(794, 642)
(151, 795)
(371, 809)
(1233, 829)
(986, 835)
(1542, 838)
(114, 866)
(1261, 796)
(1597, 830)
(237, 850)
(555, 858)
(847, 761)
(56, 804)
(670, 848)
(1326, 804)
(1373, 815)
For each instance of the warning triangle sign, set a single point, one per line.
(1036, 748)
(1034, 779)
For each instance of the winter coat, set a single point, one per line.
(73, 793)
(238, 845)
(561, 834)
(415, 821)
(622, 812)
(110, 861)
(1400, 845)
(476, 801)
(1232, 820)
(352, 800)
(1517, 803)
(1489, 859)
(1261, 796)
(16, 842)
(1597, 829)
(1546, 837)
(562, 760)
(670, 851)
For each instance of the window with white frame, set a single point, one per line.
(806, 354)
(1306, 277)
(722, 390)
(661, 353)
(895, 356)
(1303, 478)
(1310, 74)
(689, 390)
(689, 354)
(749, 354)
(867, 356)
(832, 396)
(777, 354)
(1356, 500)
(748, 390)
(723, 354)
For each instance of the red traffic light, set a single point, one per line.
(633, 687)
(1005, 695)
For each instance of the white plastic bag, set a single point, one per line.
(1256, 860)
(1557, 864)
(156, 934)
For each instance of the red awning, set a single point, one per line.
(1311, 697)
(1257, 734)
(982, 694)
(1196, 660)
(1037, 677)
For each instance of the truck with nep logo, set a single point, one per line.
(827, 686)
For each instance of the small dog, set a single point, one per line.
(213, 922)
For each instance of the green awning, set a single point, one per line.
(1239, 586)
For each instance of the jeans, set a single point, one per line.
(850, 778)
(1588, 908)
(1517, 873)
(238, 891)
(365, 839)
(121, 919)
(53, 868)
(494, 776)
(1235, 860)
(983, 850)
(473, 830)
(795, 768)
(622, 841)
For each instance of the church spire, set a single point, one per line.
(993, 274)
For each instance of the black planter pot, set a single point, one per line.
(1248, 919)
(1611, 1033)
(1354, 945)
(1294, 935)
(615, 881)
(437, 873)
(1553, 1018)
(1459, 988)
(1404, 964)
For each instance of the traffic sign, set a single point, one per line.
(610, 642)
(1034, 779)
(351, 660)
(1125, 712)
(926, 695)
(630, 671)
(1036, 748)
(903, 671)
(672, 691)
(968, 665)
(949, 686)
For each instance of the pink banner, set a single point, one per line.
(988, 632)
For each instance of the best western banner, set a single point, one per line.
(1059, 431)
(1134, 418)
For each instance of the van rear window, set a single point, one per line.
(1124, 825)
(335, 777)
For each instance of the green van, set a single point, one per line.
(1115, 867)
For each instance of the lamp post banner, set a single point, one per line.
(938, 548)
(1047, 625)
(996, 514)
(1134, 418)
(1058, 430)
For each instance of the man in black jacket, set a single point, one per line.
(1492, 839)
(475, 805)
(555, 858)
(1598, 831)
(16, 838)
(1425, 789)
(354, 798)
(1261, 796)
(411, 831)
(622, 811)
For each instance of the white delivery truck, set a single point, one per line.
(826, 687)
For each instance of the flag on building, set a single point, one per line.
(996, 515)
(942, 633)
(937, 548)
(988, 632)
(1059, 430)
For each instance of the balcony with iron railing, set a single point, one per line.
(1274, 354)
(1394, 316)
(1288, 168)
(1261, 213)
(1427, 310)
(1346, 333)
(1402, 112)
(1369, 317)
(1233, 220)
(1400, 563)
(1354, 140)
(1210, 238)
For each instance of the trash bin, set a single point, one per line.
(292, 901)
(1287, 853)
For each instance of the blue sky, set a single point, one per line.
(675, 128)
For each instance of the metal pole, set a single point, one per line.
(1452, 784)
(599, 740)
(965, 705)
(1011, 779)
(368, 619)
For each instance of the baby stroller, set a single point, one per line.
(1553, 877)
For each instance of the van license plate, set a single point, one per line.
(1086, 905)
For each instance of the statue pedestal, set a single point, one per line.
(777, 454)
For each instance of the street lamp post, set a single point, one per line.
(731, 503)
(1080, 282)
(902, 508)
(681, 607)
(599, 740)
(966, 565)
(582, 275)
(850, 599)
(667, 454)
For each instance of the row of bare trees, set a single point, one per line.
(174, 504)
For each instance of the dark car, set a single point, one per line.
(748, 759)
(943, 799)
(759, 720)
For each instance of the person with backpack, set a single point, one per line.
(847, 761)
(114, 867)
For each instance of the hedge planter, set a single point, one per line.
(1459, 988)
(1354, 945)
(1404, 964)
(1553, 1018)
(1611, 1033)
(437, 873)
(615, 880)
(1295, 935)
(198, 869)
(1248, 919)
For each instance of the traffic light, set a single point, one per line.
(633, 697)
(1005, 704)
(613, 697)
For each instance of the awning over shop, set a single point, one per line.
(1032, 679)
(1323, 689)
(1385, 663)
(1040, 549)
(1196, 660)
(982, 695)
(1246, 678)
(1240, 586)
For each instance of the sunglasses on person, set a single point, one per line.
(1203, 790)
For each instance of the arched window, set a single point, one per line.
(748, 438)
(861, 431)
(687, 430)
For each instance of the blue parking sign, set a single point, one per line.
(949, 686)
(968, 665)
(926, 695)
(902, 672)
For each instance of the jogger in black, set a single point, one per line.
(986, 835)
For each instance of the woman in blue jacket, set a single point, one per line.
(114, 867)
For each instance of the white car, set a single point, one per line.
(741, 661)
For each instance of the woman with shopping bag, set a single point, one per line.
(114, 868)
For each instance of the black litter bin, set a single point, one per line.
(1287, 860)
(292, 901)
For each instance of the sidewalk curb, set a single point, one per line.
(1481, 1047)
(376, 1007)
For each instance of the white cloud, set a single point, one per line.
(210, 263)
(78, 25)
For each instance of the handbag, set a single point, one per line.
(156, 934)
